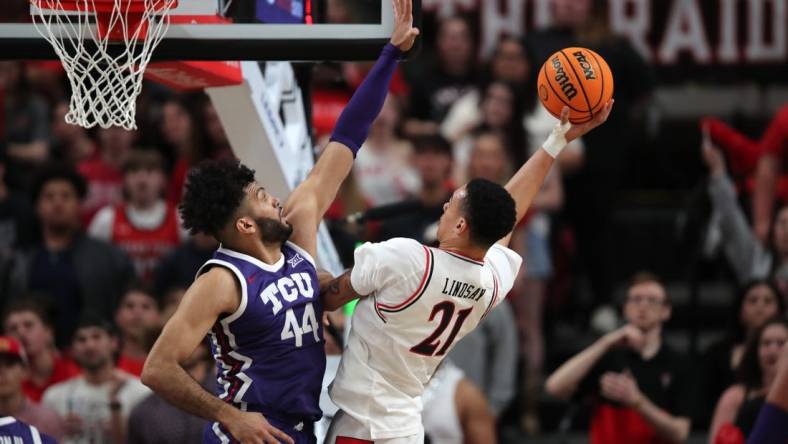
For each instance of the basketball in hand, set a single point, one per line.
(578, 78)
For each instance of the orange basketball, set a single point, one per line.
(578, 78)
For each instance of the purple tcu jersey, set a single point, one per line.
(269, 353)
(16, 432)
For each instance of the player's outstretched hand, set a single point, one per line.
(404, 33)
(580, 130)
(253, 428)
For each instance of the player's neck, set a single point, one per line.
(268, 253)
(471, 252)
(12, 405)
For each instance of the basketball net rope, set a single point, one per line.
(105, 75)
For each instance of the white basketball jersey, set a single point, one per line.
(421, 302)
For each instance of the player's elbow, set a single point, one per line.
(153, 373)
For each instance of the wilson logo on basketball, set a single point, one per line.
(576, 78)
(588, 70)
(563, 80)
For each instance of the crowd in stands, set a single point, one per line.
(94, 259)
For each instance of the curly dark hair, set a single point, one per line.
(214, 191)
(490, 211)
(749, 371)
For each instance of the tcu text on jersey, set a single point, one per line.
(289, 288)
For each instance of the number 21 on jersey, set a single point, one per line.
(429, 345)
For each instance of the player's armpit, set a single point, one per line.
(336, 292)
(214, 293)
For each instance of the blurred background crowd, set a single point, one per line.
(653, 294)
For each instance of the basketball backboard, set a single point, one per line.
(297, 30)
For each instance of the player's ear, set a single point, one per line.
(461, 226)
(245, 225)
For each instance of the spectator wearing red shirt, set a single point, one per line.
(144, 225)
(643, 392)
(104, 173)
(138, 318)
(774, 145)
(27, 321)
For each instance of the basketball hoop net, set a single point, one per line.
(105, 46)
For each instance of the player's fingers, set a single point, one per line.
(601, 117)
(255, 439)
(269, 438)
(609, 107)
(408, 8)
(282, 436)
(395, 7)
(564, 115)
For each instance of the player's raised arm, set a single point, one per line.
(524, 185)
(308, 203)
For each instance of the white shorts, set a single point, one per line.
(344, 426)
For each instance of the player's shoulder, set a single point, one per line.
(396, 247)
(215, 274)
(400, 250)
(398, 255)
(217, 288)
(497, 253)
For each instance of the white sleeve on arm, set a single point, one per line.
(506, 264)
(394, 262)
(101, 225)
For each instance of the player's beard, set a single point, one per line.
(274, 231)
